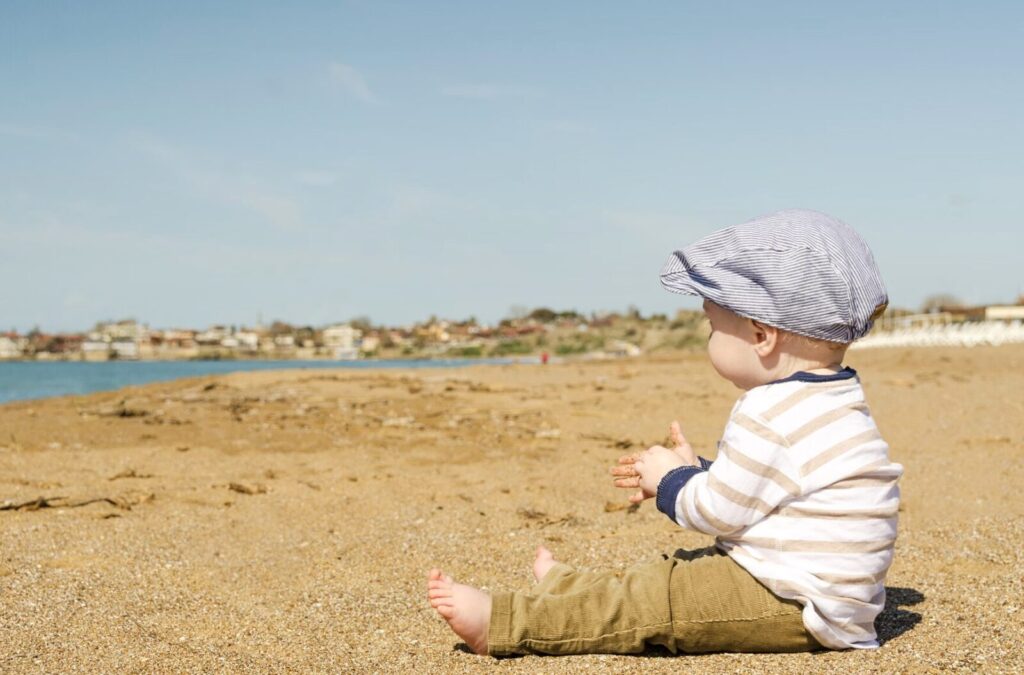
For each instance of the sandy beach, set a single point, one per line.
(285, 521)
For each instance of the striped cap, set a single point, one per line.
(799, 270)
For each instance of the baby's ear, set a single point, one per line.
(766, 337)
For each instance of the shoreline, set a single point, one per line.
(69, 378)
(260, 359)
(219, 367)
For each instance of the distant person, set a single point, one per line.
(802, 498)
(544, 358)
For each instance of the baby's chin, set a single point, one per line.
(740, 379)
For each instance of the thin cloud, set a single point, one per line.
(412, 201)
(316, 178)
(228, 187)
(35, 133)
(159, 149)
(651, 226)
(489, 91)
(351, 81)
(566, 127)
(278, 209)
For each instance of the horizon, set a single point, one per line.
(513, 314)
(198, 165)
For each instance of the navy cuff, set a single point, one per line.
(704, 463)
(669, 487)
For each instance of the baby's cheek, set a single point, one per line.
(718, 354)
(727, 357)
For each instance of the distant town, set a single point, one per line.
(539, 332)
(527, 333)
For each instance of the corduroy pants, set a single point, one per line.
(693, 602)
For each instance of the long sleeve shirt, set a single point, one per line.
(804, 497)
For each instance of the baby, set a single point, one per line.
(802, 499)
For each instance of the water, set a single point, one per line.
(22, 380)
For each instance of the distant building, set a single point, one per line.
(340, 341)
(1004, 313)
(248, 340)
(369, 344)
(267, 344)
(124, 350)
(213, 336)
(9, 348)
(128, 329)
(94, 348)
(169, 344)
(64, 345)
(172, 339)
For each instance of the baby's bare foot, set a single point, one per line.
(544, 562)
(466, 609)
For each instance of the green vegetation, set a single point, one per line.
(506, 347)
(545, 315)
(687, 320)
(580, 343)
(689, 341)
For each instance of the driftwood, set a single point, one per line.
(125, 502)
(247, 489)
(130, 473)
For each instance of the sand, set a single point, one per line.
(285, 521)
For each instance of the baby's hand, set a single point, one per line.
(651, 467)
(629, 475)
(680, 445)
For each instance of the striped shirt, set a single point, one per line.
(804, 497)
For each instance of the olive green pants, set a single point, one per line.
(695, 601)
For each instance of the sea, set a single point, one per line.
(27, 380)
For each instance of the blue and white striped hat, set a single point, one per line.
(798, 270)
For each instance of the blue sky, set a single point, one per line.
(190, 163)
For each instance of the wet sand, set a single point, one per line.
(285, 521)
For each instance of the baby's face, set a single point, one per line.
(731, 347)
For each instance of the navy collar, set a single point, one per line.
(802, 376)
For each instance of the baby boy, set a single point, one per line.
(801, 499)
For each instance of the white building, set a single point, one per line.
(248, 340)
(125, 350)
(1004, 313)
(340, 340)
(122, 330)
(9, 349)
(95, 348)
(213, 335)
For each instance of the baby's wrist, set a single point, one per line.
(669, 487)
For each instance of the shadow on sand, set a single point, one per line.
(895, 621)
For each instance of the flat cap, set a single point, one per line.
(799, 270)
